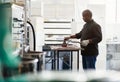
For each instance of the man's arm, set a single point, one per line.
(77, 35)
(67, 38)
(98, 35)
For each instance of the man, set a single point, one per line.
(90, 36)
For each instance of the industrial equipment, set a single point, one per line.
(14, 37)
(12, 22)
(11, 37)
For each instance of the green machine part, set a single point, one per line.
(6, 48)
(6, 45)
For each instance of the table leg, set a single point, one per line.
(57, 52)
(78, 60)
(71, 59)
(54, 59)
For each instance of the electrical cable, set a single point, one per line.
(34, 38)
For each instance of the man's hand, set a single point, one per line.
(85, 42)
(66, 38)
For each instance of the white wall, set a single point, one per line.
(112, 19)
(58, 9)
(39, 32)
(36, 8)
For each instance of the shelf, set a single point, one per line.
(57, 34)
(55, 31)
(56, 28)
(57, 25)
(53, 42)
(57, 21)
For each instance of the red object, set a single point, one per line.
(64, 45)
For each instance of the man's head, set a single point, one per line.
(87, 15)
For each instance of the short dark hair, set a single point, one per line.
(88, 12)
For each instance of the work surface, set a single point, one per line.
(69, 47)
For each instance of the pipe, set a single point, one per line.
(34, 39)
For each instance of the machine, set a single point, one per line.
(12, 23)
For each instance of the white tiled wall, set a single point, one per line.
(36, 8)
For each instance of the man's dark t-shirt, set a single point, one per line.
(91, 31)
